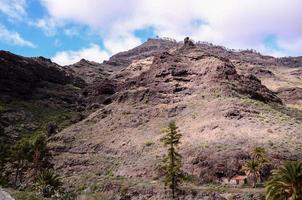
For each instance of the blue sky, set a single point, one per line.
(68, 30)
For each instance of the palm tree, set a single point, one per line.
(285, 182)
(259, 154)
(252, 169)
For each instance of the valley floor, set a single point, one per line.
(153, 190)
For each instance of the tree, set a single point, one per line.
(285, 182)
(255, 166)
(4, 156)
(48, 183)
(29, 153)
(172, 160)
(21, 153)
(259, 154)
(252, 169)
(39, 153)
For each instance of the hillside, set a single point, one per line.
(225, 102)
(36, 94)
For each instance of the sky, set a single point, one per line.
(69, 30)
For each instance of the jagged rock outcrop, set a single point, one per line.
(186, 71)
(150, 48)
(89, 71)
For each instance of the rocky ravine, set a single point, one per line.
(221, 108)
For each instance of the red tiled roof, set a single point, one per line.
(239, 177)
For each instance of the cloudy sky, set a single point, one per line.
(68, 30)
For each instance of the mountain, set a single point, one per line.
(225, 102)
(35, 93)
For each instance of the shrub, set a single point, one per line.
(48, 183)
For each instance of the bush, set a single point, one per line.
(48, 183)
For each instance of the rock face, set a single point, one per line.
(187, 70)
(89, 71)
(150, 48)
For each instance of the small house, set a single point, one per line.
(238, 180)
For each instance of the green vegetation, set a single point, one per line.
(149, 143)
(48, 183)
(29, 155)
(171, 163)
(285, 182)
(4, 158)
(1, 108)
(40, 153)
(194, 115)
(295, 106)
(255, 166)
(21, 195)
(252, 169)
(29, 152)
(280, 113)
(21, 155)
(259, 154)
(38, 114)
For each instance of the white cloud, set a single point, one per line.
(92, 53)
(14, 9)
(13, 38)
(293, 46)
(71, 32)
(96, 13)
(57, 43)
(47, 25)
(233, 23)
(119, 40)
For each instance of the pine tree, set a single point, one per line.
(172, 160)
